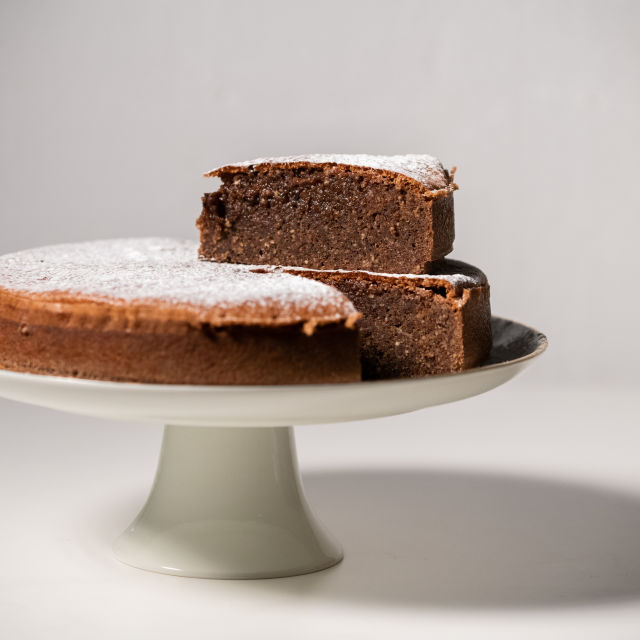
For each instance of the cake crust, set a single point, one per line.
(423, 169)
(146, 310)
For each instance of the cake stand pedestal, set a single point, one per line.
(227, 500)
(227, 503)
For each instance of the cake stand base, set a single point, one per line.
(227, 503)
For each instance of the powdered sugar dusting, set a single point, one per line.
(458, 275)
(166, 270)
(420, 167)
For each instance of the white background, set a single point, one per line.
(110, 112)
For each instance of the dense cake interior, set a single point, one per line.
(404, 332)
(324, 217)
(415, 325)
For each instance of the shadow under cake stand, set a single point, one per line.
(227, 500)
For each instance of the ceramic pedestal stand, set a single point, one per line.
(227, 501)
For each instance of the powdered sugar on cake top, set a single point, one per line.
(423, 168)
(168, 271)
(458, 275)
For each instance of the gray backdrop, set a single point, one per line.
(110, 112)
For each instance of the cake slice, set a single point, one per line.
(417, 325)
(389, 214)
(147, 310)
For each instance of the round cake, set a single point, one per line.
(147, 310)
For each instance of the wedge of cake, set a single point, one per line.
(389, 214)
(417, 325)
(146, 310)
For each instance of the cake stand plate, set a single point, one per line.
(227, 500)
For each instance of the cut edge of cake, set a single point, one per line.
(357, 212)
(414, 325)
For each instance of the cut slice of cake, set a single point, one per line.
(147, 310)
(389, 214)
(417, 325)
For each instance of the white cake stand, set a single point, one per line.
(227, 501)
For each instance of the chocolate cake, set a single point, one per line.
(146, 310)
(416, 325)
(389, 214)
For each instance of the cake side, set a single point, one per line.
(311, 212)
(476, 320)
(146, 310)
(238, 355)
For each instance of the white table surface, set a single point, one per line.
(511, 515)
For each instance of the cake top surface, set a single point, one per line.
(165, 275)
(452, 274)
(424, 169)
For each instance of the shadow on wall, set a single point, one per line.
(471, 540)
